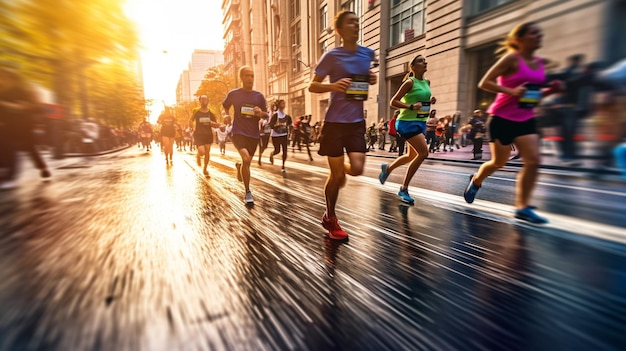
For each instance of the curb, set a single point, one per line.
(594, 171)
(97, 153)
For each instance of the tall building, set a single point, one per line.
(246, 42)
(458, 37)
(191, 78)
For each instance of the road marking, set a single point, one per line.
(480, 208)
(556, 185)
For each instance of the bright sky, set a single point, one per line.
(170, 30)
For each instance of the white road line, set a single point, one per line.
(480, 208)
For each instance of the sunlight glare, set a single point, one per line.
(170, 31)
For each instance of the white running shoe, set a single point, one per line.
(248, 198)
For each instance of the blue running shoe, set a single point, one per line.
(404, 196)
(470, 191)
(527, 214)
(383, 173)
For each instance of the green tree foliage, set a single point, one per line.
(216, 84)
(183, 111)
(83, 50)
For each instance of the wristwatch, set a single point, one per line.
(411, 107)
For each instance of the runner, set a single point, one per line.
(248, 105)
(348, 69)
(204, 121)
(414, 99)
(305, 134)
(168, 133)
(265, 129)
(145, 134)
(280, 123)
(516, 78)
(222, 135)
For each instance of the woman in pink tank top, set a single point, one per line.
(516, 78)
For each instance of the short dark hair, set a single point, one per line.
(340, 16)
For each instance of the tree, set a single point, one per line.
(216, 84)
(183, 111)
(68, 45)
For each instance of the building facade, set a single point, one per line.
(191, 78)
(458, 37)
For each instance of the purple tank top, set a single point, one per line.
(519, 109)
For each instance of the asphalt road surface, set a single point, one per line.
(120, 252)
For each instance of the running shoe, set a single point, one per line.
(527, 214)
(383, 173)
(45, 173)
(334, 230)
(404, 196)
(470, 191)
(248, 199)
(205, 172)
(272, 158)
(283, 170)
(238, 166)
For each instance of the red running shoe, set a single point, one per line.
(334, 230)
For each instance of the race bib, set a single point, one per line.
(358, 88)
(247, 111)
(280, 128)
(424, 111)
(204, 120)
(531, 98)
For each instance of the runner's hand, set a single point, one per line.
(373, 78)
(520, 90)
(342, 84)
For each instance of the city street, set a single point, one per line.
(121, 252)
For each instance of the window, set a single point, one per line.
(479, 6)
(296, 62)
(324, 45)
(323, 18)
(354, 6)
(408, 20)
(295, 36)
(294, 9)
(483, 59)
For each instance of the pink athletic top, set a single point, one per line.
(508, 106)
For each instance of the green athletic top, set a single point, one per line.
(419, 93)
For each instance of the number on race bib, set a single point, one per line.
(532, 97)
(247, 111)
(358, 88)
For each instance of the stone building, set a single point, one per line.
(191, 78)
(283, 39)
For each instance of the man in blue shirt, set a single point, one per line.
(249, 106)
(348, 70)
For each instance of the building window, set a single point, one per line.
(323, 18)
(408, 20)
(479, 6)
(295, 64)
(294, 9)
(354, 6)
(295, 36)
(324, 45)
(483, 58)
